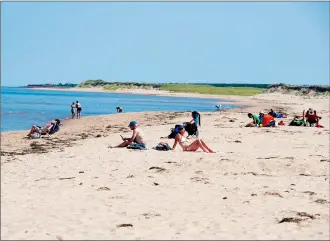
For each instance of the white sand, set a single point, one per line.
(257, 177)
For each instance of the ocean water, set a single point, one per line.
(21, 108)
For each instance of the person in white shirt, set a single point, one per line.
(79, 109)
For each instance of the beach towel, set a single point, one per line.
(137, 146)
(162, 147)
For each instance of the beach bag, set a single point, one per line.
(35, 135)
(162, 147)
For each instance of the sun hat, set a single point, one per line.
(132, 123)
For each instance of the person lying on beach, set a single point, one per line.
(194, 146)
(255, 120)
(277, 114)
(137, 138)
(40, 130)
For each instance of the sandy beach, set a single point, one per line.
(262, 183)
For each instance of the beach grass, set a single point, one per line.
(126, 86)
(212, 90)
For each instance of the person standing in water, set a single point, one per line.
(72, 110)
(78, 106)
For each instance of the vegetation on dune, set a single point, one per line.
(202, 88)
(212, 90)
(302, 90)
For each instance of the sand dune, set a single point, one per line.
(261, 184)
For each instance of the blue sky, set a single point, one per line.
(219, 42)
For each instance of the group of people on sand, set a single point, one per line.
(268, 120)
(137, 140)
(76, 106)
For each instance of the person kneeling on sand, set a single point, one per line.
(137, 139)
(179, 138)
(255, 122)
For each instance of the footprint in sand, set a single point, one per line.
(302, 216)
(157, 169)
(103, 189)
(125, 225)
(273, 194)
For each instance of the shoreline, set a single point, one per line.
(235, 100)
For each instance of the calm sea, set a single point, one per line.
(21, 108)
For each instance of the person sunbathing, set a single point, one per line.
(41, 130)
(255, 120)
(194, 146)
(277, 114)
(137, 137)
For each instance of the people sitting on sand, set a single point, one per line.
(267, 120)
(312, 119)
(218, 107)
(194, 146)
(255, 120)
(36, 131)
(119, 109)
(136, 140)
(277, 114)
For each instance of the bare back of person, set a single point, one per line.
(138, 136)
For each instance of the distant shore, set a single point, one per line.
(240, 100)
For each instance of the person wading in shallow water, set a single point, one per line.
(72, 110)
(119, 109)
(79, 109)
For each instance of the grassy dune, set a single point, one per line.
(212, 90)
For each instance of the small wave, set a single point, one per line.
(18, 112)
